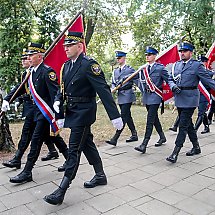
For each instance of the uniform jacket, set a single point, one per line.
(24, 99)
(189, 76)
(158, 74)
(202, 97)
(45, 83)
(83, 81)
(125, 93)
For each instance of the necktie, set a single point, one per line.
(68, 70)
(149, 68)
(120, 70)
(184, 64)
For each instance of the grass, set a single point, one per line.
(103, 130)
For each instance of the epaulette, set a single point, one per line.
(160, 64)
(46, 66)
(87, 57)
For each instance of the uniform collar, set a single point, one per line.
(121, 67)
(36, 67)
(151, 64)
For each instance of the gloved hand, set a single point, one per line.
(117, 123)
(17, 104)
(176, 89)
(5, 106)
(56, 106)
(60, 123)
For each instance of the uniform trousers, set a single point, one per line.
(202, 108)
(185, 126)
(81, 140)
(126, 115)
(41, 132)
(152, 119)
(27, 132)
(212, 110)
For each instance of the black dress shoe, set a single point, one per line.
(12, 163)
(141, 148)
(62, 168)
(160, 142)
(98, 179)
(174, 156)
(194, 151)
(55, 198)
(23, 177)
(132, 139)
(206, 130)
(50, 156)
(173, 129)
(111, 142)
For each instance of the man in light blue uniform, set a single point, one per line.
(157, 74)
(184, 81)
(203, 103)
(125, 95)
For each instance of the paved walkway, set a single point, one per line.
(137, 183)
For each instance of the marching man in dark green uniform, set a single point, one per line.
(82, 78)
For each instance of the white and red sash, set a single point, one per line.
(153, 88)
(206, 94)
(43, 106)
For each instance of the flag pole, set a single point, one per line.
(142, 67)
(46, 53)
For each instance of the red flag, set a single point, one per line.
(168, 57)
(211, 57)
(211, 62)
(57, 55)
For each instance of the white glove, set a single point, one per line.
(117, 123)
(60, 123)
(56, 106)
(5, 106)
(16, 105)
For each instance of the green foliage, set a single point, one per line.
(47, 24)
(152, 22)
(15, 28)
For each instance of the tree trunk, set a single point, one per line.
(6, 141)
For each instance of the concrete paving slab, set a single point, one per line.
(194, 207)
(137, 183)
(79, 209)
(16, 199)
(20, 210)
(124, 210)
(156, 207)
(105, 202)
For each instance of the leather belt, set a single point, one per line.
(124, 88)
(71, 99)
(188, 88)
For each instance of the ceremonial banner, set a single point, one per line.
(57, 56)
(211, 63)
(167, 58)
(211, 57)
